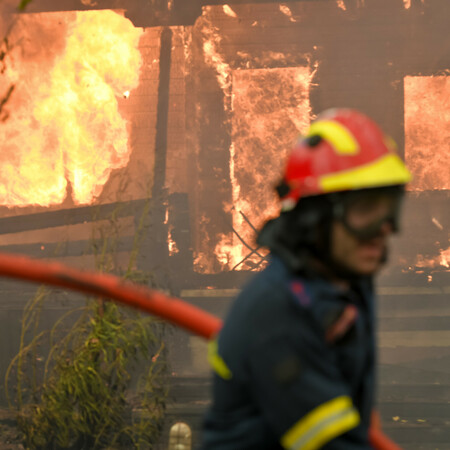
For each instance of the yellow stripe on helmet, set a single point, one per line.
(322, 424)
(217, 362)
(337, 135)
(388, 170)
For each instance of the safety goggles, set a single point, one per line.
(365, 212)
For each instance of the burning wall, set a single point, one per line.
(269, 109)
(427, 131)
(344, 65)
(263, 93)
(427, 138)
(244, 81)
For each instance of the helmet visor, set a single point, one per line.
(364, 213)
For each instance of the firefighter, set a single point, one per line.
(294, 363)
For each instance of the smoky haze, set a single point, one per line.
(236, 89)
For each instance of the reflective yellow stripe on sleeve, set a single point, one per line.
(322, 424)
(216, 361)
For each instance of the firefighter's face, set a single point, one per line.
(362, 228)
(361, 256)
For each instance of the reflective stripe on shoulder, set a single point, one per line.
(322, 424)
(216, 361)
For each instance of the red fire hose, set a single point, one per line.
(172, 309)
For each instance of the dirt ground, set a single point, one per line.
(9, 435)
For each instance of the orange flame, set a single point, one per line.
(427, 115)
(267, 109)
(284, 9)
(443, 260)
(65, 126)
(173, 248)
(229, 11)
(211, 50)
(341, 5)
(266, 121)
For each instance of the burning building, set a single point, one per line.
(189, 109)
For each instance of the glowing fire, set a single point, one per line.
(173, 249)
(443, 260)
(341, 5)
(65, 128)
(287, 12)
(427, 115)
(270, 108)
(211, 50)
(267, 109)
(229, 11)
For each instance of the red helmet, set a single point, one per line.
(343, 150)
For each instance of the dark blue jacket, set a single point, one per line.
(294, 366)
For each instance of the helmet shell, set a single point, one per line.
(343, 150)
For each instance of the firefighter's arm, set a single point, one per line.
(304, 398)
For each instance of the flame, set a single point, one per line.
(267, 108)
(173, 248)
(427, 115)
(284, 9)
(65, 128)
(443, 260)
(229, 11)
(407, 4)
(270, 108)
(437, 223)
(211, 50)
(341, 5)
